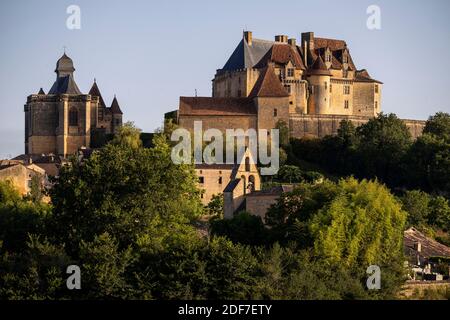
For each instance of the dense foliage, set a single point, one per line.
(126, 217)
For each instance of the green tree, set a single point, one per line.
(243, 228)
(103, 266)
(363, 225)
(128, 135)
(416, 204)
(283, 132)
(132, 193)
(215, 206)
(428, 160)
(289, 173)
(383, 144)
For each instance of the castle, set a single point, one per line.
(65, 120)
(311, 86)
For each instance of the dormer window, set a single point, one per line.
(290, 72)
(345, 57)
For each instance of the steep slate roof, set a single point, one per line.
(282, 53)
(232, 185)
(268, 85)
(41, 91)
(247, 56)
(319, 68)
(115, 109)
(96, 92)
(66, 85)
(216, 106)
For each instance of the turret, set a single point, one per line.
(319, 80)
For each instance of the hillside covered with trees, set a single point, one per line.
(127, 215)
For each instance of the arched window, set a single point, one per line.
(247, 164)
(73, 117)
(251, 183)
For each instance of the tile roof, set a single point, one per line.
(363, 76)
(216, 106)
(268, 84)
(333, 44)
(429, 247)
(282, 53)
(223, 166)
(274, 191)
(319, 68)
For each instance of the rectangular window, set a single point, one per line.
(220, 180)
(346, 104)
(201, 180)
(376, 105)
(331, 88)
(288, 89)
(290, 72)
(73, 117)
(346, 89)
(275, 112)
(326, 85)
(376, 88)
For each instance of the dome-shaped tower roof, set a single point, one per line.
(64, 66)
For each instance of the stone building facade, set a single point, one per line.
(20, 175)
(312, 86)
(234, 181)
(65, 119)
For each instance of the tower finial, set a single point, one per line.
(64, 48)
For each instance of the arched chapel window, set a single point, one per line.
(73, 117)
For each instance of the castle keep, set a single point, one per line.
(312, 86)
(65, 120)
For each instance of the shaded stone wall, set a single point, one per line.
(322, 125)
(266, 111)
(258, 205)
(218, 122)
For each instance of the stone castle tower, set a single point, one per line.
(65, 119)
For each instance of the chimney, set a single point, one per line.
(292, 42)
(418, 246)
(308, 37)
(248, 37)
(281, 38)
(305, 54)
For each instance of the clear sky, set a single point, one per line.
(149, 53)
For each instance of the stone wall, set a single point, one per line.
(218, 122)
(322, 125)
(271, 110)
(259, 204)
(212, 184)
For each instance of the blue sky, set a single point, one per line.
(149, 53)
